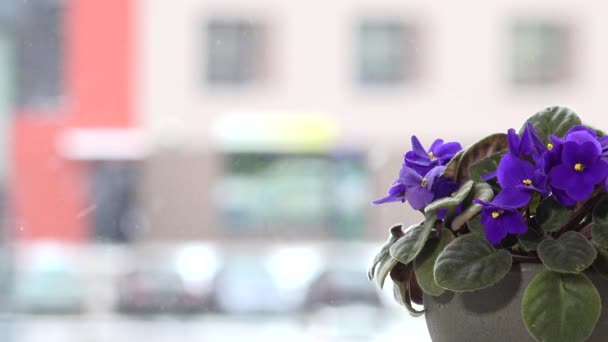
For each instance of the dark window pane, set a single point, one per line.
(39, 53)
(540, 54)
(234, 51)
(385, 52)
(113, 190)
(288, 193)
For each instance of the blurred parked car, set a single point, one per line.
(157, 291)
(339, 287)
(343, 305)
(48, 283)
(244, 285)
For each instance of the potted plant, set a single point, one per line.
(514, 241)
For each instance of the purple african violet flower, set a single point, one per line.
(528, 145)
(520, 146)
(582, 166)
(519, 179)
(499, 220)
(423, 161)
(414, 188)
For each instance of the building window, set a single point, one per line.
(114, 207)
(235, 51)
(291, 194)
(386, 52)
(39, 52)
(540, 52)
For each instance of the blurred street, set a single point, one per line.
(208, 328)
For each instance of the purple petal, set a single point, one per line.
(596, 172)
(433, 174)
(581, 191)
(409, 177)
(588, 154)
(584, 136)
(417, 147)
(447, 151)
(538, 143)
(512, 171)
(514, 223)
(562, 197)
(570, 153)
(389, 199)
(436, 145)
(395, 194)
(513, 141)
(489, 176)
(526, 144)
(512, 198)
(581, 128)
(555, 140)
(563, 177)
(495, 231)
(418, 197)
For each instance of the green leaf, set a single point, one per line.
(475, 226)
(451, 168)
(401, 276)
(600, 265)
(561, 307)
(471, 263)
(479, 151)
(600, 212)
(481, 191)
(599, 234)
(485, 166)
(553, 121)
(409, 246)
(451, 201)
(570, 253)
(383, 262)
(425, 262)
(551, 215)
(531, 239)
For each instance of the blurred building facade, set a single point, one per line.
(254, 120)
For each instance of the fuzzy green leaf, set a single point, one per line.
(451, 168)
(485, 166)
(599, 234)
(452, 201)
(401, 276)
(481, 191)
(470, 263)
(425, 262)
(475, 225)
(551, 215)
(480, 150)
(554, 120)
(561, 307)
(600, 212)
(531, 239)
(395, 232)
(407, 248)
(601, 262)
(570, 253)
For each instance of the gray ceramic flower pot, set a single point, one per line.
(494, 314)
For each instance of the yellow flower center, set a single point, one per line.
(431, 155)
(579, 167)
(549, 146)
(496, 214)
(424, 182)
(527, 182)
